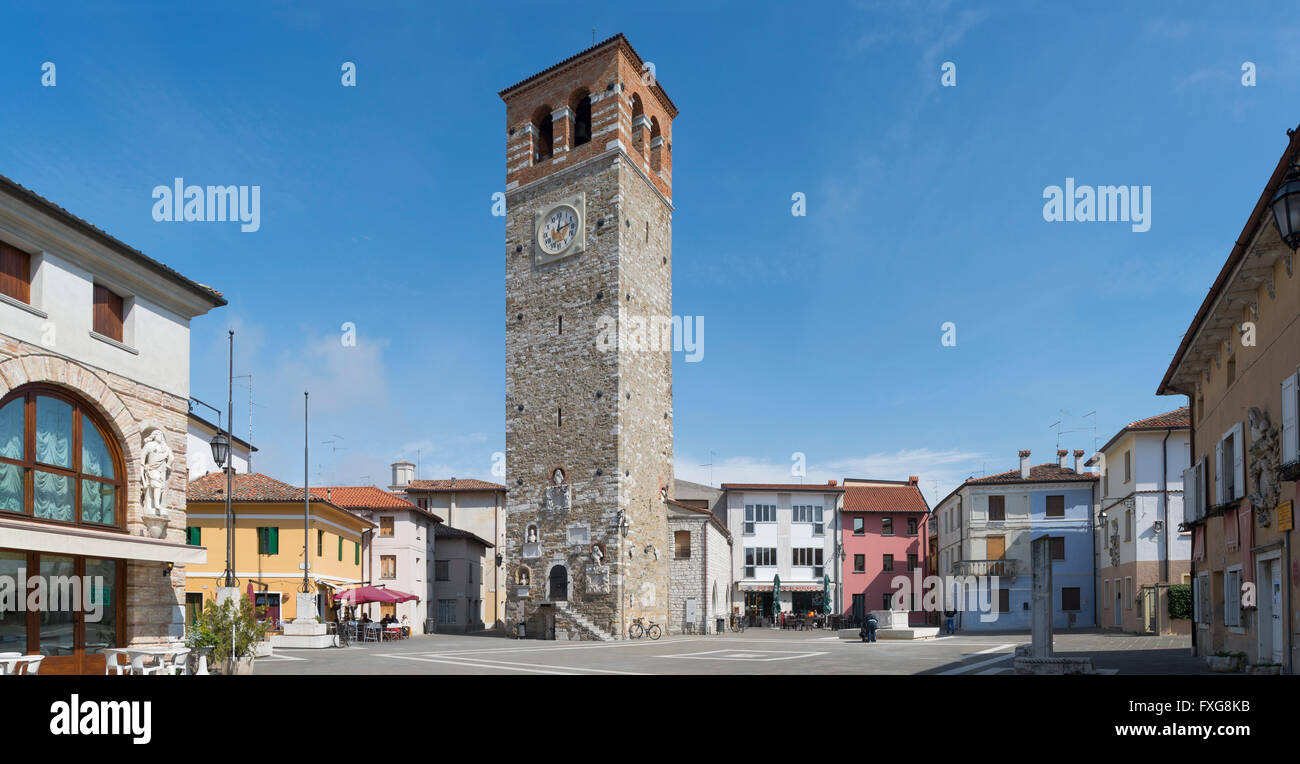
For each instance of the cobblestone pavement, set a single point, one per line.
(757, 651)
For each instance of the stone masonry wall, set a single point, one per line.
(603, 415)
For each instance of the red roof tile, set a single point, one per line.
(1040, 473)
(1178, 418)
(884, 498)
(454, 484)
(250, 487)
(368, 497)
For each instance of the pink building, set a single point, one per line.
(883, 534)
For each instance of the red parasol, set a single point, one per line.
(402, 596)
(364, 594)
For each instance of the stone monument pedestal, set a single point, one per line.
(304, 631)
(893, 625)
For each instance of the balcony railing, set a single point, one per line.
(999, 568)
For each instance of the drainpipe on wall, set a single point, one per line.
(1191, 562)
(1164, 511)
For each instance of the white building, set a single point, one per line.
(700, 571)
(786, 530)
(198, 447)
(400, 551)
(1140, 549)
(94, 379)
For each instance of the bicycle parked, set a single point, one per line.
(737, 623)
(342, 634)
(641, 627)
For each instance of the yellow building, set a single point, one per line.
(269, 544)
(1238, 365)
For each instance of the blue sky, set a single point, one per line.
(822, 332)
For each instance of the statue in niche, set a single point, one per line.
(1264, 460)
(524, 577)
(597, 555)
(155, 471)
(530, 536)
(559, 496)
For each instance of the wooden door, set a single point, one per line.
(997, 547)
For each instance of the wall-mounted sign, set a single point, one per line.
(1285, 516)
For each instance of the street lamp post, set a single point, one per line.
(221, 455)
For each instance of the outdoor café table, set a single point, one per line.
(137, 656)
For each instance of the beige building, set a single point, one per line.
(459, 582)
(475, 506)
(94, 387)
(1237, 365)
(1141, 548)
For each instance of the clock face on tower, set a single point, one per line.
(559, 229)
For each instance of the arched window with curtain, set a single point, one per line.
(58, 460)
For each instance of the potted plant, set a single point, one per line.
(228, 633)
(1267, 667)
(1225, 662)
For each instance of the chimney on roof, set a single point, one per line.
(1078, 460)
(830, 482)
(913, 479)
(1061, 453)
(1024, 464)
(403, 474)
(328, 493)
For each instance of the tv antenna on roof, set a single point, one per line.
(710, 466)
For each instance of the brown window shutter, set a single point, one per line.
(15, 274)
(108, 313)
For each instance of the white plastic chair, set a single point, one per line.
(28, 664)
(178, 663)
(114, 666)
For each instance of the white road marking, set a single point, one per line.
(973, 666)
(744, 655)
(509, 665)
(994, 649)
(464, 664)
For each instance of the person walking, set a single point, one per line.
(868, 632)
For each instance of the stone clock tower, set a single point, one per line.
(589, 429)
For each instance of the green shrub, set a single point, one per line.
(226, 626)
(1180, 601)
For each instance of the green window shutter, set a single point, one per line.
(273, 540)
(356, 553)
(261, 540)
(194, 536)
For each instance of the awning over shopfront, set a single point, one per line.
(38, 537)
(785, 587)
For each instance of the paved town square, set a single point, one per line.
(756, 651)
